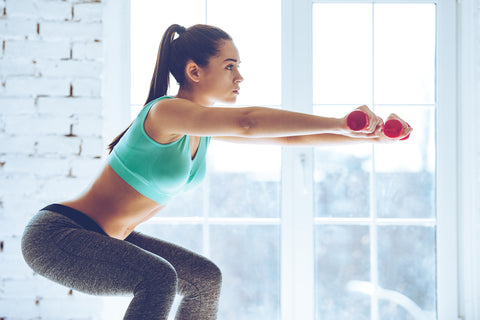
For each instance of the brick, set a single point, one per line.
(69, 68)
(11, 247)
(19, 288)
(59, 145)
(2, 87)
(15, 225)
(93, 147)
(69, 106)
(89, 126)
(21, 8)
(17, 145)
(14, 268)
(39, 125)
(3, 124)
(37, 49)
(18, 28)
(70, 30)
(43, 167)
(88, 50)
(56, 308)
(88, 12)
(86, 168)
(87, 87)
(17, 106)
(17, 67)
(54, 10)
(10, 309)
(16, 208)
(20, 185)
(36, 86)
(59, 188)
(36, 286)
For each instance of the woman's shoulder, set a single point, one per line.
(158, 115)
(169, 103)
(167, 111)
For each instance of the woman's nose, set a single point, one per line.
(239, 78)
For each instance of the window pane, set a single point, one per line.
(249, 257)
(342, 175)
(244, 180)
(404, 53)
(405, 171)
(407, 270)
(342, 258)
(342, 182)
(188, 204)
(386, 181)
(255, 27)
(149, 20)
(342, 53)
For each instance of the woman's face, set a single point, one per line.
(221, 78)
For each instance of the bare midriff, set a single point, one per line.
(114, 204)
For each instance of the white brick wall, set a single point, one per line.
(51, 63)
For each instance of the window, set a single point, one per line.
(340, 233)
(375, 210)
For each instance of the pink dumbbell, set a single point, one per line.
(393, 128)
(357, 120)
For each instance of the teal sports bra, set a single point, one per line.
(158, 171)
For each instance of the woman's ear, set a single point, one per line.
(192, 72)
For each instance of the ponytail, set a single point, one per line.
(115, 141)
(198, 44)
(160, 79)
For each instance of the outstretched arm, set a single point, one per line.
(330, 139)
(313, 140)
(180, 116)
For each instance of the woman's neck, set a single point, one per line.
(194, 97)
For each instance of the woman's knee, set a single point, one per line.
(208, 272)
(160, 279)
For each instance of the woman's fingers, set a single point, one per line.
(396, 128)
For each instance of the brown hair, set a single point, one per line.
(198, 44)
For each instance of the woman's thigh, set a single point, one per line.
(192, 268)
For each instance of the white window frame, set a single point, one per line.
(297, 210)
(297, 240)
(116, 68)
(447, 201)
(468, 99)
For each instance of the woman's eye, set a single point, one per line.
(230, 67)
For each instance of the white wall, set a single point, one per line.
(51, 63)
(51, 140)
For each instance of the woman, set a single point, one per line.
(88, 243)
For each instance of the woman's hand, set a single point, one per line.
(396, 128)
(373, 128)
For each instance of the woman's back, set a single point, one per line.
(114, 204)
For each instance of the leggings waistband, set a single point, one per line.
(77, 216)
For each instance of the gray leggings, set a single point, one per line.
(68, 247)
